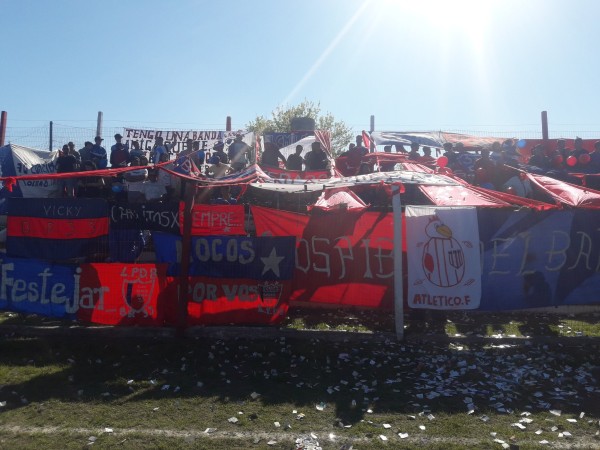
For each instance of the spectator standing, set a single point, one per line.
(271, 155)
(316, 159)
(160, 148)
(85, 153)
(295, 161)
(414, 155)
(75, 153)
(238, 153)
(119, 153)
(198, 156)
(218, 151)
(136, 151)
(387, 166)
(360, 147)
(427, 158)
(484, 168)
(66, 163)
(98, 154)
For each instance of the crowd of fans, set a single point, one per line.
(490, 169)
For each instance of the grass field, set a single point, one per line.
(365, 390)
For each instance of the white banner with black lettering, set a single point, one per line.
(205, 138)
(26, 161)
(444, 263)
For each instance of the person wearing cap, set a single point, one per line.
(119, 153)
(218, 151)
(98, 153)
(161, 148)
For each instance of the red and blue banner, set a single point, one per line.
(233, 279)
(56, 229)
(112, 294)
(539, 259)
(215, 219)
(343, 258)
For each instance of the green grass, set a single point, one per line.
(453, 324)
(82, 385)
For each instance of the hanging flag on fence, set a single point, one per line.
(444, 264)
(54, 228)
(215, 219)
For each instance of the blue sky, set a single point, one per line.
(414, 65)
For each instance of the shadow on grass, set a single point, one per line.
(348, 377)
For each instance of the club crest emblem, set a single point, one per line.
(138, 292)
(443, 256)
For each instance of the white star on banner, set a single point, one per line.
(272, 262)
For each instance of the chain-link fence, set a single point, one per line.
(53, 136)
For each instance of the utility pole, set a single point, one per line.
(50, 143)
(2, 128)
(99, 124)
(372, 128)
(545, 125)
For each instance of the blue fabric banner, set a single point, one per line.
(539, 259)
(37, 287)
(258, 258)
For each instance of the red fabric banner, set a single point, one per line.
(343, 258)
(45, 228)
(122, 294)
(210, 220)
(219, 301)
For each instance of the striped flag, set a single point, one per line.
(56, 229)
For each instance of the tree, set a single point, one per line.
(281, 122)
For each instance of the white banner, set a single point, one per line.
(146, 138)
(444, 263)
(34, 162)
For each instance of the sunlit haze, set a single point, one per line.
(415, 65)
